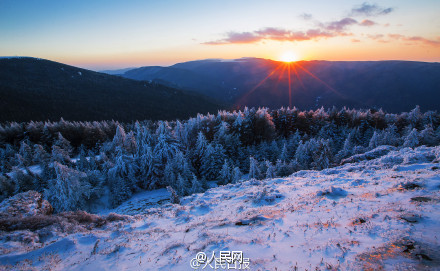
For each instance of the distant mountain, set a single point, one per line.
(36, 89)
(392, 85)
(116, 72)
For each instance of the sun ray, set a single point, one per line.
(297, 76)
(259, 84)
(280, 76)
(318, 79)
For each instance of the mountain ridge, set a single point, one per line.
(394, 85)
(38, 89)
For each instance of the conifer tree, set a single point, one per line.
(120, 180)
(323, 157)
(412, 139)
(40, 154)
(374, 141)
(414, 117)
(284, 155)
(25, 153)
(82, 164)
(427, 136)
(60, 155)
(63, 144)
(236, 175)
(271, 170)
(130, 144)
(254, 169)
(347, 148)
(225, 174)
(211, 162)
(196, 185)
(68, 191)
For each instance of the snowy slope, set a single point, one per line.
(382, 213)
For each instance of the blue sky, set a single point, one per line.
(113, 34)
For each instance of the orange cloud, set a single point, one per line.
(271, 33)
(367, 23)
(415, 39)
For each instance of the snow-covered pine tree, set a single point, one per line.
(323, 157)
(292, 143)
(196, 185)
(211, 163)
(304, 153)
(301, 155)
(60, 155)
(284, 155)
(261, 152)
(274, 151)
(121, 180)
(374, 141)
(130, 144)
(181, 133)
(23, 182)
(170, 177)
(412, 139)
(427, 136)
(236, 175)
(391, 136)
(347, 148)
(149, 169)
(414, 117)
(225, 174)
(166, 147)
(271, 170)
(119, 138)
(25, 152)
(68, 191)
(82, 164)
(63, 143)
(182, 185)
(198, 152)
(93, 164)
(254, 169)
(40, 154)
(281, 168)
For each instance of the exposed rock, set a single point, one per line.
(25, 204)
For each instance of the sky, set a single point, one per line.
(111, 34)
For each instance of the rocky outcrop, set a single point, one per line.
(25, 204)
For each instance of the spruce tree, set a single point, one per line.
(63, 144)
(236, 175)
(254, 169)
(26, 154)
(68, 191)
(271, 170)
(225, 174)
(374, 141)
(412, 139)
(323, 157)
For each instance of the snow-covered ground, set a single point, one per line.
(377, 214)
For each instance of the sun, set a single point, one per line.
(288, 57)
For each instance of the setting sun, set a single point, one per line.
(288, 57)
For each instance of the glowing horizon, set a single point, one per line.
(116, 34)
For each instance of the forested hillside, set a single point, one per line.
(76, 164)
(37, 89)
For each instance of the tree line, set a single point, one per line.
(77, 165)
